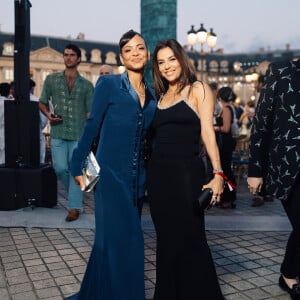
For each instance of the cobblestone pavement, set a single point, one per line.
(47, 263)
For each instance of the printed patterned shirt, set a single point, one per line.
(275, 136)
(73, 108)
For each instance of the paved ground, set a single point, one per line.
(247, 244)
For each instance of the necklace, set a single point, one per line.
(140, 94)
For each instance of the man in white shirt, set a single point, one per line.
(43, 123)
(4, 92)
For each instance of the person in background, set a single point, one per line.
(239, 107)
(259, 83)
(4, 93)
(247, 115)
(4, 90)
(262, 196)
(214, 88)
(245, 123)
(227, 144)
(122, 110)
(66, 101)
(106, 70)
(43, 122)
(275, 157)
(11, 95)
(176, 175)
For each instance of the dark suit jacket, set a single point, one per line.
(275, 137)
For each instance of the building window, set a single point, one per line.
(9, 75)
(96, 56)
(8, 49)
(111, 58)
(224, 67)
(214, 66)
(83, 54)
(202, 65)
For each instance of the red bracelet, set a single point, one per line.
(230, 184)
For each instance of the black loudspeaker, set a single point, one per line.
(9, 199)
(28, 187)
(22, 121)
(22, 134)
(38, 186)
(22, 50)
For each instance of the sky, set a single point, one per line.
(241, 26)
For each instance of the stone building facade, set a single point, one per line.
(46, 57)
(236, 70)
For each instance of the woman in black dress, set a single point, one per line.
(176, 176)
(227, 143)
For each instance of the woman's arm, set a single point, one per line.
(92, 125)
(205, 106)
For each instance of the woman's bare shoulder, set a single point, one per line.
(198, 85)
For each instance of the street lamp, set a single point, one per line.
(192, 37)
(202, 36)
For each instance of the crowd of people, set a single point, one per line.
(169, 142)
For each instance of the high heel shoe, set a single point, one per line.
(294, 291)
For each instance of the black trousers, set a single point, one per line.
(226, 149)
(290, 267)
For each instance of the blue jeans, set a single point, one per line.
(62, 151)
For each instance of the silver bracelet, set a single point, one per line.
(218, 171)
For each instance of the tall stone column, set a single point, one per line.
(158, 22)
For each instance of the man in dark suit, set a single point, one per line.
(262, 196)
(275, 149)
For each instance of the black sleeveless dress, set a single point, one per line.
(184, 266)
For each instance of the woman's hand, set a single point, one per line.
(217, 186)
(80, 181)
(254, 184)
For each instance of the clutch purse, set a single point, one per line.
(205, 198)
(90, 172)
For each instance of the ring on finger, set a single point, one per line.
(214, 198)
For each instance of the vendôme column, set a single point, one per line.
(158, 22)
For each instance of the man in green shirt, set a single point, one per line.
(66, 100)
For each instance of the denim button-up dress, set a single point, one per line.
(116, 267)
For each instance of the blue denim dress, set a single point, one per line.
(115, 269)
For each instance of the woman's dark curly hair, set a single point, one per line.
(188, 74)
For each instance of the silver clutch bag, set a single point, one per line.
(90, 172)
